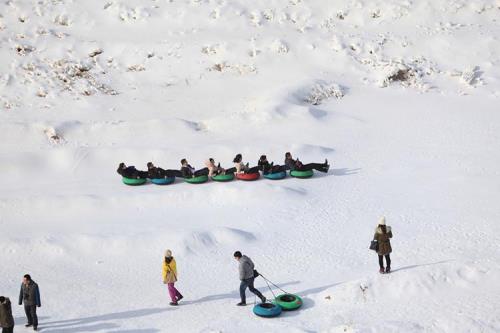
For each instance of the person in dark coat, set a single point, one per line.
(295, 164)
(30, 296)
(131, 172)
(6, 318)
(155, 172)
(267, 167)
(383, 234)
(242, 167)
(246, 270)
(188, 171)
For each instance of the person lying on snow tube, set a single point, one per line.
(296, 165)
(187, 171)
(131, 172)
(215, 170)
(242, 167)
(267, 167)
(155, 172)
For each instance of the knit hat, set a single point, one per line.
(168, 254)
(381, 221)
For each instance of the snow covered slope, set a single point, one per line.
(400, 96)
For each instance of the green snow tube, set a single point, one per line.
(196, 180)
(224, 178)
(301, 174)
(288, 302)
(133, 181)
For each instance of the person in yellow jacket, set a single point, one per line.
(169, 274)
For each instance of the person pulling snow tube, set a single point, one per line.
(275, 175)
(163, 181)
(288, 302)
(301, 174)
(197, 180)
(248, 176)
(223, 178)
(133, 181)
(267, 310)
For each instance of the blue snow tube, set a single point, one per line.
(275, 175)
(267, 310)
(163, 181)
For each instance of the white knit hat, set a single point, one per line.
(168, 254)
(381, 221)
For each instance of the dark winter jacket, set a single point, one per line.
(246, 268)
(30, 294)
(267, 167)
(187, 171)
(156, 173)
(292, 164)
(6, 319)
(132, 172)
(384, 243)
(264, 166)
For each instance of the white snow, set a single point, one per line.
(85, 85)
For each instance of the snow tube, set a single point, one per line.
(223, 178)
(301, 174)
(267, 310)
(163, 181)
(276, 175)
(288, 302)
(196, 180)
(133, 181)
(248, 176)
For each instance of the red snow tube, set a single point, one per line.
(248, 176)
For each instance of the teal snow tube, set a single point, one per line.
(267, 310)
(163, 181)
(275, 175)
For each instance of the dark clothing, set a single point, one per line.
(313, 166)
(387, 260)
(159, 173)
(132, 172)
(292, 164)
(30, 294)
(248, 283)
(230, 170)
(189, 172)
(267, 167)
(6, 318)
(30, 311)
(8, 329)
(254, 169)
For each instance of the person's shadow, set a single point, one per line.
(234, 294)
(421, 265)
(101, 322)
(345, 171)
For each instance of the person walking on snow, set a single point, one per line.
(169, 273)
(6, 318)
(383, 233)
(30, 295)
(246, 270)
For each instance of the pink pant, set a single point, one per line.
(174, 293)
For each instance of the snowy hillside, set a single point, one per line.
(400, 96)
